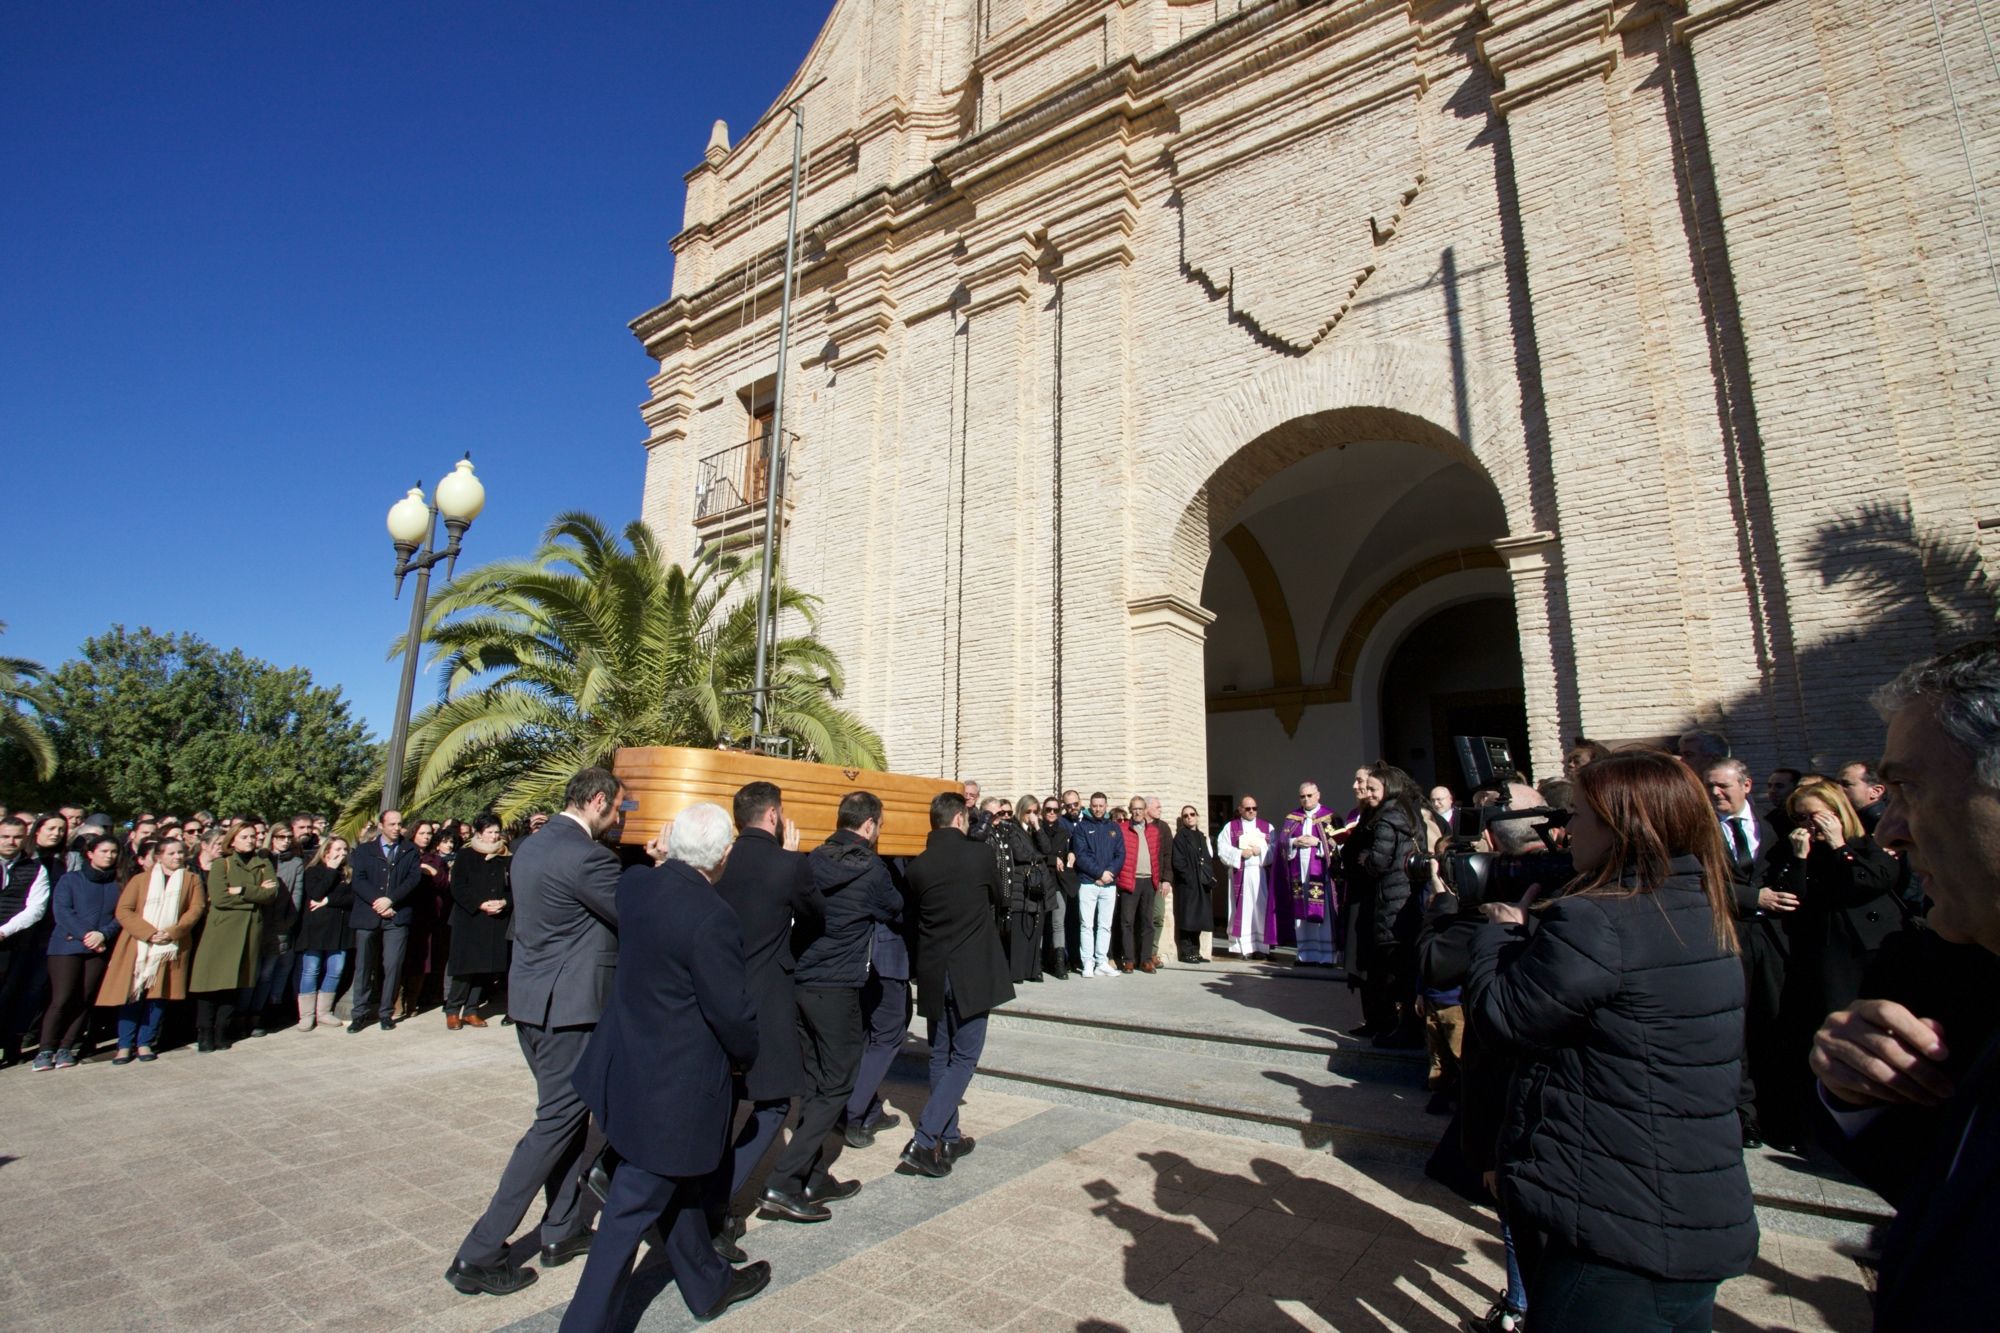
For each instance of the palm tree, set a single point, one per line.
(23, 704)
(553, 663)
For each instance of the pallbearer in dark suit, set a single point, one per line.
(387, 872)
(961, 974)
(769, 885)
(565, 913)
(657, 1074)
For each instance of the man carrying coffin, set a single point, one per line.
(1248, 847)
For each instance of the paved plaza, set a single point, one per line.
(324, 1180)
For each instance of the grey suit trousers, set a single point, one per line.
(549, 1159)
(385, 945)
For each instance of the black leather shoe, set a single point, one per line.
(387, 1025)
(882, 1121)
(728, 1249)
(958, 1147)
(925, 1161)
(832, 1190)
(744, 1283)
(560, 1253)
(783, 1207)
(358, 1025)
(488, 1280)
(857, 1137)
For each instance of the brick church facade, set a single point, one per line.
(1190, 396)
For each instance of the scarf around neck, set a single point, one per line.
(163, 908)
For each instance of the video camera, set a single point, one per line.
(1477, 875)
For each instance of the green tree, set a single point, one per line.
(144, 720)
(553, 663)
(24, 740)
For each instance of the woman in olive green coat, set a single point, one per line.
(240, 882)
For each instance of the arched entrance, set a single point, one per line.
(1335, 581)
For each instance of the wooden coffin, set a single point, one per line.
(665, 780)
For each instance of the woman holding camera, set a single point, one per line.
(1623, 1012)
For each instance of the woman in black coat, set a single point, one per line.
(1378, 860)
(323, 935)
(482, 899)
(1024, 853)
(1844, 890)
(1193, 862)
(1620, 1150)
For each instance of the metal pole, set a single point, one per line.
(759, 702)
(399, 737)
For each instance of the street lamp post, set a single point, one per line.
(413, 524)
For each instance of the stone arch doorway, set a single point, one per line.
(1332, 553)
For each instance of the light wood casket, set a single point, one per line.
(665, 780)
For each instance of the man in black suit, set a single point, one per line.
(657, 1074)
(961, 974)
(565, 882)
(1865, 793)
(769, 885)
(885, 1013)
(1760, 912)
(857, 895)
(386, 876)
(1885, 1072)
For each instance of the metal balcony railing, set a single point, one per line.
(729, 482)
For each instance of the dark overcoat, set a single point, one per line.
(479, 941)
(771, 891)
(957, 898)
(396, 876)
(656, 1073)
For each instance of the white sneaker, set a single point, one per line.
(1087, 971)
(1109, 972)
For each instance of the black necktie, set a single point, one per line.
(1741, 839)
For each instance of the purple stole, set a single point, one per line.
(1273, 881)
(1312, 896)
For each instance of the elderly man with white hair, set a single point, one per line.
(658, 1073)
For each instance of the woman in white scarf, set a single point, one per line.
(157, 914)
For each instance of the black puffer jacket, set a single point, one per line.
(859, 894)
(1377, 860)
(1625, 1019)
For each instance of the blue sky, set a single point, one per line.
(262, 266)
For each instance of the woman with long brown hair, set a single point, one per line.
(1620, 1159)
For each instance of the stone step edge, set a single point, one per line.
(1781, 1200)
(1229, 1041)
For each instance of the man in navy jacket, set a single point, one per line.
(386, 875)
(658, 1074)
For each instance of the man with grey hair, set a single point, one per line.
(657, 1074)
(1760, 931)
(1894, 1078)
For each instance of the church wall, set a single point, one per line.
(1670, 306)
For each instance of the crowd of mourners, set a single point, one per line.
(1626, 978)
(106, 933)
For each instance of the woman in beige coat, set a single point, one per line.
(157, 915)
(240, 882)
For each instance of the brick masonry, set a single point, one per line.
(1691, 284)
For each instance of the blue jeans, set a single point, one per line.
(1097, 906)
(271, 975)
(1574, 1293)
(139, 1023)
(320, 969)
(1517, 1286)
(955, 1046)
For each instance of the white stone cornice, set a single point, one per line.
(1533, 47)
(1171, 614)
